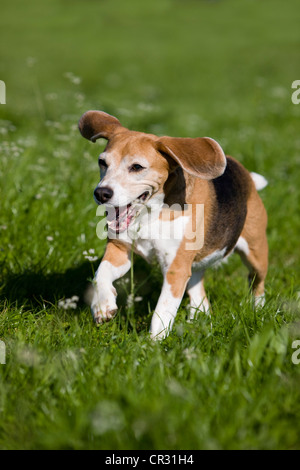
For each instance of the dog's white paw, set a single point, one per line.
(259, 301)
(195, 312)
(104, 308)
(102, 317)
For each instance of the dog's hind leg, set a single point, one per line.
(175, 281)
(196, 292)
(256, 259)
(252, 247)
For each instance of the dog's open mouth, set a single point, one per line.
(119, 218)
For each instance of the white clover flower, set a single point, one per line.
(190, 353)
(91, 258)
(131, 299)
(87, 255)
(73, 79)
(68, 303)
(72, 305)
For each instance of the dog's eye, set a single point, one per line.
(102, 163)
(136, 167)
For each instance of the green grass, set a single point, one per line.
(182, 68)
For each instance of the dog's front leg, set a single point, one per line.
(115, 263)
(174, 285)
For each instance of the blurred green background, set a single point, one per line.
(218, 61)
(222, 69)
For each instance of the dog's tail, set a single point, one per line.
(259, 181)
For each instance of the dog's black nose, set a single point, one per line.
(103, 194)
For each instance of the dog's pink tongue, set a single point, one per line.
(124, 222)
(119, 218)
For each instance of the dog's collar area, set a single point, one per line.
(119, 218)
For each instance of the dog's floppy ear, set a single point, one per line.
(202, 157)
(96, 124)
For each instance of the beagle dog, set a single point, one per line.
(180, 200)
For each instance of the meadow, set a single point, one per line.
(189, 68)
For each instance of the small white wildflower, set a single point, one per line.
(72, 305)
(87, 255)
(76, 80)
(28, 357)
(50, 239)
(130, 300)
(68, 303)
(73, 79)
(63, 138)
(54, 124)
(147, 107)
(31, 61)
(51, 96)
(3, 227)
(38, 196)
(79, 97)
(189, 353)
(91, 258)
(107, 417)
(61, 153)
(279, 92)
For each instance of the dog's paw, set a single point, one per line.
(102, 317)
(259, 301)
(104, 305)
(195, 312)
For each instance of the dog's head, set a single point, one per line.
(135, 166)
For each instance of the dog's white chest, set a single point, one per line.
(160, 239)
